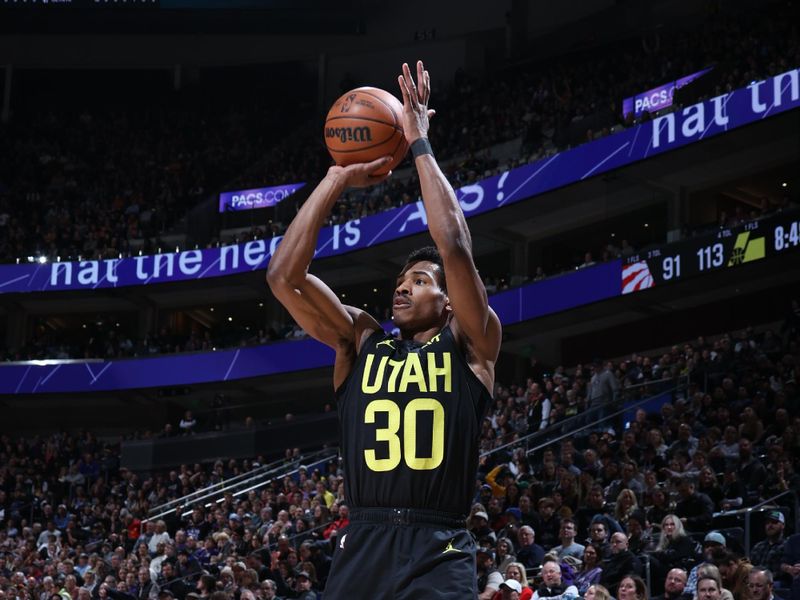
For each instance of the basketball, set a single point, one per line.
(365, 124)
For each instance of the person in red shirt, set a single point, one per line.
(341, 522)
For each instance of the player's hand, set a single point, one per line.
(360, 175)
(416, 115)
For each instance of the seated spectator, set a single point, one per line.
(530, 554)
(632, 587)
(504, 554)
(621, 562)
(597, 592)
(674, 585)
(694, 509)
(591, 569)
(552, 585)
(489, 578)
(675, 548)
(516, 572)
(549, 525)
(708, 588)
(713, 543)
(626, 504)
(760, 584)
(188, 423)
(640, 537)
(768, 554)
(568, 545)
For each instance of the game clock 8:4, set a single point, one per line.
(787, 236)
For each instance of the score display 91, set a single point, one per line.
(730, 247)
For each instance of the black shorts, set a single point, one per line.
(388, 554)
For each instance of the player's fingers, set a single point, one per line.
(431, 113)
(404, 89)
(427, 79)
(412, 88)
(421, 81)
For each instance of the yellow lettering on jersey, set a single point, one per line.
(412, 373)
(390, 385)
(435, 372)
(377, 382)
(384, 434)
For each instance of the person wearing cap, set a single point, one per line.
(712, 541)
(516, 572)
(480, 526)
(568, 546)
(511, 589)
(769, 552)
(552, 585)
(489, 578)
(530, 553)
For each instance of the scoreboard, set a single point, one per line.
(728, 247)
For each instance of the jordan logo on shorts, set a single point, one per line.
(449, 547)
(341, 541)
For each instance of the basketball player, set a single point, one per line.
(410, 408)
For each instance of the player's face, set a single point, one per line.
(419, 302)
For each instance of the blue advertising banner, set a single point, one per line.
(37, 377)
(659, 97)
(694, 123)
(256, 198)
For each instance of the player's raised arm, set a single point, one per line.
(447, 224)
(309, 300)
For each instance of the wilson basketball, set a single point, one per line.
(363, 125)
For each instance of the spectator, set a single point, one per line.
(751, 472)
(597, 592)
(504, 554)
(708, 588)
(516, 572)
(760, 584)
(188, 424)
(568, 545)
(591, 568)
(489, 578)
(621, 562)
(694, 509)
(552, 584)
(712, 543)
(675, 549)
(674, 585)
(530, 553)
(632, 588)
(768, 553)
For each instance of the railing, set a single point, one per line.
(762, 506)
(572, 425)
(241, 483)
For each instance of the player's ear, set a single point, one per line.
(447, 306)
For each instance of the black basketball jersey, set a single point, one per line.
(410, 419)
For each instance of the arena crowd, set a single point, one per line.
(618, 502)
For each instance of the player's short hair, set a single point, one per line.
(431, 254)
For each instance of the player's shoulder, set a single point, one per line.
(364, 326)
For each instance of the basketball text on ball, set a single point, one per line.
(349, 134)
(363, 125)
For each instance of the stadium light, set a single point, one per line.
(42, 260)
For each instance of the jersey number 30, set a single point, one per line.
(409, 450)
